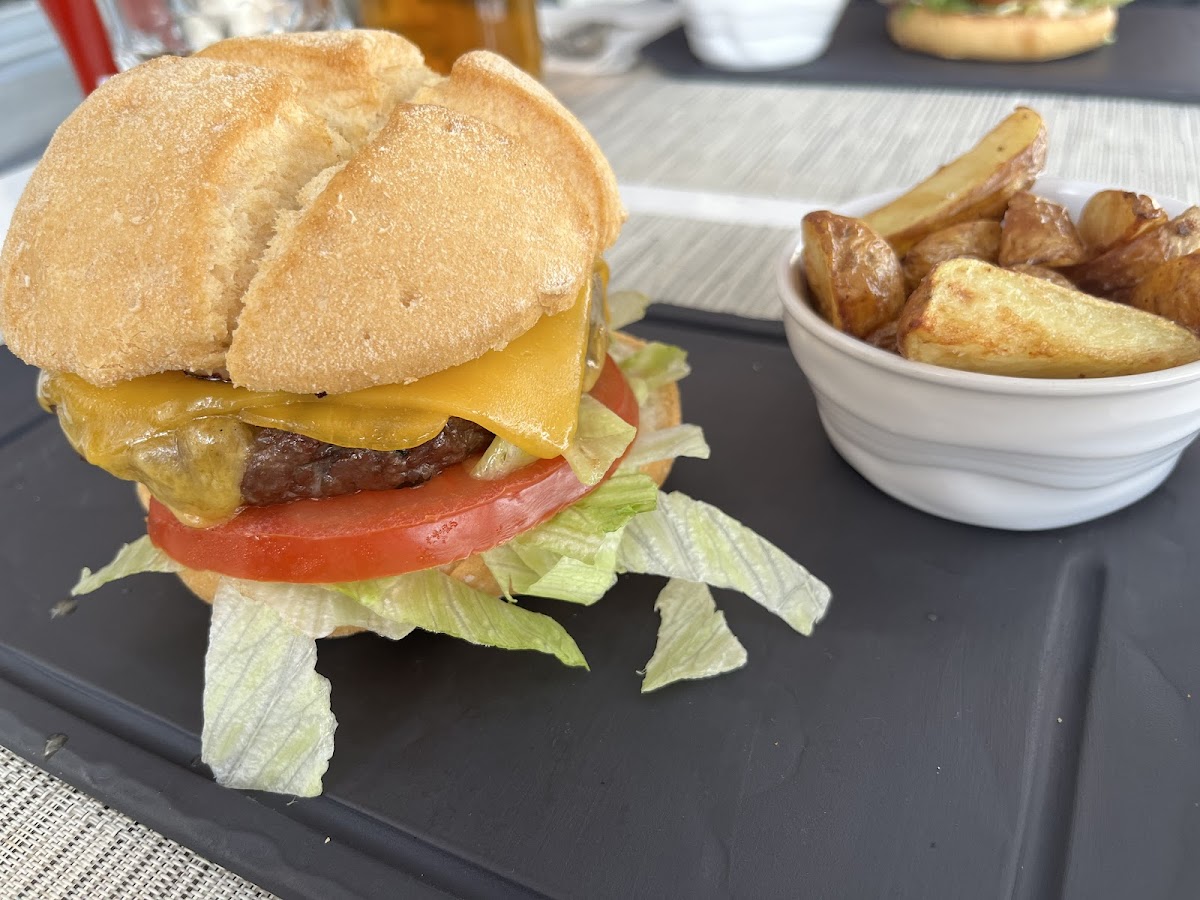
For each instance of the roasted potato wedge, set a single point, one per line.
(1172, 290)
(853, 274)
(979, 239)
(1051, 275)
(971, 315)
(1111, 218)
(1115, 273)
(884, 337)
(1038, 232)
(977, 185)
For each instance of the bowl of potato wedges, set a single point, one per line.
(998, 348)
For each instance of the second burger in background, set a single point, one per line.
(1004, 31)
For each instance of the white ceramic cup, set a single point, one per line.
(1012, 453)
(749, 35)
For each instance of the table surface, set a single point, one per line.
(716, 176)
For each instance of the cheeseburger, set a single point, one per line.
(1003, 30)
(345, 324)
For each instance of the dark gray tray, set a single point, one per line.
(982, 714)
(1155, 57)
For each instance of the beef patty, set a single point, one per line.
(283, 466)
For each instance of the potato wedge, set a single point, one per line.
(1038, 232)
(853, 274)
(979, 239)
(971, 315)
(977, 185)
(1111, 218)
(1051, 275)
(1114, 273)
(1172, 290)
(884, 337)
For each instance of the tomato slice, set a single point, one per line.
(377, 533)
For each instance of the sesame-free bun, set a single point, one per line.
(135, 238)
(351, 79)
(1011, 38)
(483, 85)
(279, 208)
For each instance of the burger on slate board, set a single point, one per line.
(345, 324)
(1003, 30)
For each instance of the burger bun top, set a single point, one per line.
(304, 212)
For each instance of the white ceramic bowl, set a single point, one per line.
(1013, 453)
(750, 35)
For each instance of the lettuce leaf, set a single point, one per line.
(527, 569)
(684, 538)
(268, 725)
(693, 639)
(579, 530)
(317, 610)
(573, 556)
(391, 607)
(600, 439)
(500, 459)
(666, 443)
(433, 601)
(626, 307)
(134, 558)
(653, 365)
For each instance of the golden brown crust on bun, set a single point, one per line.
(485, 86)
(1014, 38)
(186, 192)
(131, 246)
(352, 79)
(441, 239)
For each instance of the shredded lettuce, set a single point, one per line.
(579, 530)
(649, 367)
(684, 538)
(626, 307)
(600, 439)
(654, 365)
(666, 443)
(524, 568)
(318, 610)
(500, 460)
(392, 607)
(268, 724)
(693, 639)
(433, 601)
(133, 559)
(573, 557)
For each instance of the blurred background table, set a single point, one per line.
(716, 175)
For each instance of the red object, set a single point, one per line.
(82, 33)
(377, 533)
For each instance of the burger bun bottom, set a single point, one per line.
(1013, 38)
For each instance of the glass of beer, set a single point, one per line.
(446, 29)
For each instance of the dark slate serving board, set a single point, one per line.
(1155, 57)
(982, 714)
(19, 409)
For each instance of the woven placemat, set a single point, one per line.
(823, 146)
(59, 844)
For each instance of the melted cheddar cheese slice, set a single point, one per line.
(187, 438)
